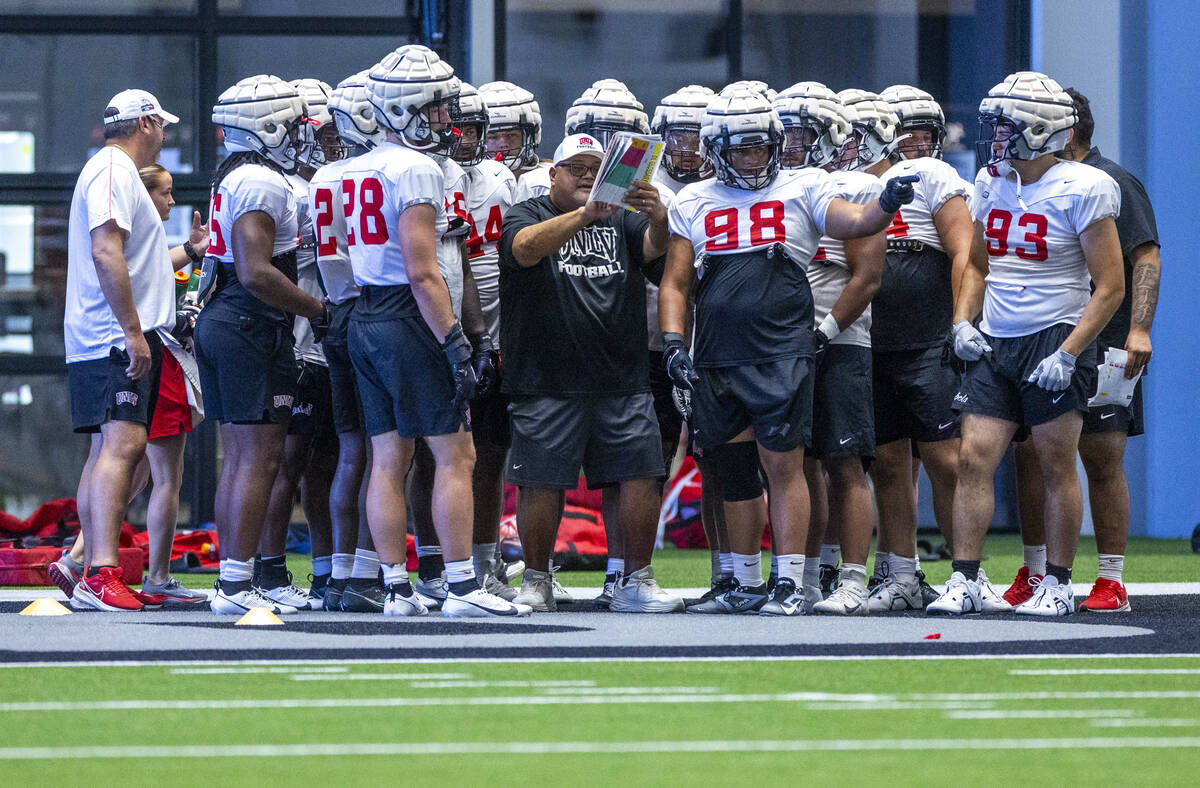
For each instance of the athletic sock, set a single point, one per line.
(854, 574)
(234, 571)
(714, 560)
(483, 555)
(831, 555)
(273, 571)
(1060, 573)
(726, 563)
(615, 566)
(430, 566)
(460, 576)
(342, 564)
(71, 563)
(968, 569)
(1035, 559)
(1112, 566)
(322, 565)
(882, 565)
(394, 574)
(812, 570)
(748, 569)
(903, 569)
(366, 565)
(791, 567)
(774, 565)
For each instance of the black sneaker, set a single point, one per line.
(363, 596)
(743, 600)
(317, 585)
(332, 600)
(604, 601)
(719, 586)
(829, 580)
(772, 579)
(785, 600)
(928, 594)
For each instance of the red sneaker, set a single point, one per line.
(104, 591)
(149, 601)
(63, 576)
(1022, 587)
(1108, 596)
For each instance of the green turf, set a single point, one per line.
(629, 718)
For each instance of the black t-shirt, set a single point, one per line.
(1135, 226)
(913, 307)
(574, 324)
(751, 308)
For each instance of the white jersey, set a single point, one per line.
(109, 188)
(253, 187)
(939, 182)
(720, 219)
(489, 196)
(378, 186)
(450, 239)
(532, 184)
(1037, 273)
(307, 278)
(668, 187)
(329, 232)
(828, 273)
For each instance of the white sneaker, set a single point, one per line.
(893, 594)
(961, 596)
(848, 599)
(786, 600)
(1050, 599)
(241, 602)
(291, 596)
(481, 604)
(536, 592)
(561, 596)
(433, 592)
(991, 600)
(399, 603)
(637, 592)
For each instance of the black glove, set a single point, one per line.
(679, 364)
(458, 353)
(185, 321)
(320, 323)
(486, 363)
(821, 341)
(898, 191)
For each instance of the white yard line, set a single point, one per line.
(1043, 714)
(1106, 672)
(1148, 722)
(324, 749)
(261, 669)
(490, 684)
(378, 676)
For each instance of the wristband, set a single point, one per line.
(829, 327)
(190, 252)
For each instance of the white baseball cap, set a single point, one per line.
(577, 144)
(131, 104)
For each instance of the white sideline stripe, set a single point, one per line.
(608, 660)
(1107, 672)
(690, 695)
(633, 691)
(325, 749)
(378, 676)
(487, 684)
(264, 669)
(1042, 714)
(1163, 722)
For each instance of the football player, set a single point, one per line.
(410, 352)
(1045, 235)
(755, 85)
(514, 127)
(928, 245)
(244, 332)
(354, 584)
(754, 229)
(922, 122)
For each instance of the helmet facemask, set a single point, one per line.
(723, 149)
(286, 154)
(682, 157)
(915, 146)
(430, 128)
(801, 146)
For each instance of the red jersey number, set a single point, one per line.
(996, 231)
(216, 244)
(898, 228)
(766, 226)
(491, 231)
(372, 227)
(323, 202)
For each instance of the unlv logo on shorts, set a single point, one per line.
(127, 398)
(283, 400)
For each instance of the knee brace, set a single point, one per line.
(737, 469)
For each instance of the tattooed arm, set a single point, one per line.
(1147, 267)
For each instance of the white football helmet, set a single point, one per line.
(262, 114)
(316, 117)
(408, 88)
(510, 106)
(814, 125)
(604, 109)
(677, 119)
(877, 126)
(353, 114)
(756, 85)
(472, 115)
(1037, 112)
(741, 120)
(917, 111)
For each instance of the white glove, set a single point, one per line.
(969, 344)
(1054, 372)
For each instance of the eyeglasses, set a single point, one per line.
(157, 121)
(580, 170)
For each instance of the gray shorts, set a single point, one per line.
(613, 439)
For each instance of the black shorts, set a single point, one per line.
(343, 386)
(403, 378)
(312, 410)
(843, 416)
(489, 419)
(997, 384)
(247, 367)
(670, 423)
(101, 391)
(1114, 418)
(774, 398)
(614, 439)
(914, 396)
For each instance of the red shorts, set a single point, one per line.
(172, 413)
